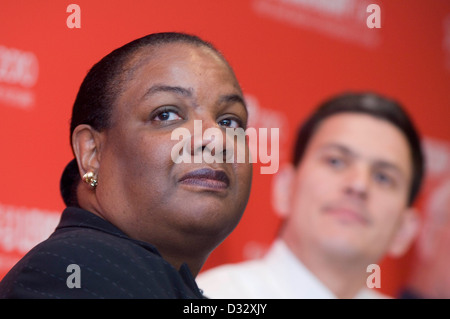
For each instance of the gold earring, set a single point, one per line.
(90, 179)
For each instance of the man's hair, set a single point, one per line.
(371, 104)
(100, 88)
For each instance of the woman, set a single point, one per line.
(143, 225)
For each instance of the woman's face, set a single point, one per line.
(140, 188)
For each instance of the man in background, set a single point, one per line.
(346, 200)
(430, 276)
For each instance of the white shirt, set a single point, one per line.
(278, 275)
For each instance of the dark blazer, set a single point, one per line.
(108, 264)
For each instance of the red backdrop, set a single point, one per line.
(288, 55)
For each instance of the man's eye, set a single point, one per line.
(335, 162)
(166, 116)
(383, 178)
(230, 123)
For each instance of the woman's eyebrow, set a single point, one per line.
(232, 98)
(186, 92)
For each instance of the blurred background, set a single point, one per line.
(289, 55)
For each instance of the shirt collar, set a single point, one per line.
(293, 277)
(299, 281)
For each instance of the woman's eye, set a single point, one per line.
(230, 123)
(166, 116)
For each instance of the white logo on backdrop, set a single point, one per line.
(341, 19)
(22, 228)
(437, 154)
(262, 117)
(446, 40)
(19, 72)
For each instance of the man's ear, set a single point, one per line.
(406, 233)
(86, 143)
(282, 189)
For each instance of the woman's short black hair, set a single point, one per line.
(372, 104)
(98, 92)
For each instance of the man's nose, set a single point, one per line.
(357, 181)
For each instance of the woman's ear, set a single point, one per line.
(406, 234)
(86, 143)
(282, 188)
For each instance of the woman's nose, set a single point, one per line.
(208, 142)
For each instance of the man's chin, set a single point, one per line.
(342, 247)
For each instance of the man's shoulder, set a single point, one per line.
(371, 293)
(239, 280)
(235, 269)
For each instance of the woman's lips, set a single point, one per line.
(206, 178)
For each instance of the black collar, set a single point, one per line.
(80, 218)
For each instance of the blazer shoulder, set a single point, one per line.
(86, 263)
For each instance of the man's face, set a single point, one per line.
(351, 187)
(150, 197)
